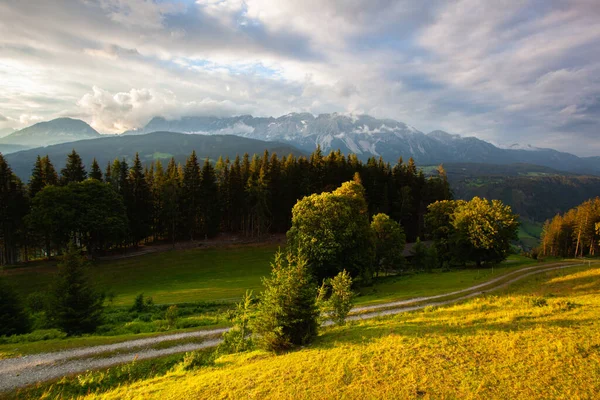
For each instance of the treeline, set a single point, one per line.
(574, 234)
(122, 205)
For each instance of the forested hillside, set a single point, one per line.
(127, 203)
(154, 146)
(534, 192)
(574, 233)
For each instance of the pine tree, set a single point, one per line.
(74, 304)
(138, 202)
(74, 170)
(13, 208)
(209, 200)
(96, 172)
(191, 194)
(13, 317)
(42, 175)
(37, 181)
(287, 313)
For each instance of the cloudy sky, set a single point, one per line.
(505, 71)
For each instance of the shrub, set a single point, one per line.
(287, 313)
(196, 359)
(538, 301)
(13, 318)
(141, 304)
(339, 303)
(238, 338)
(171, 316)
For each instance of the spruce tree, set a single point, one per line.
(74, 170)
(96, 172)
(13, 208)
(209, 200)
(138, 202)
(37, 181)
(75, 306)
(191, 196)
(13, 317)
(287, 313)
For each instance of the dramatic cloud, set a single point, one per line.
(513, 71)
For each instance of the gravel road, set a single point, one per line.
(27, 370)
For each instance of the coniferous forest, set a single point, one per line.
(123, 204)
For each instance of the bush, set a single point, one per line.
(141, 304)
(238, 338)
(13, 318)
(287, 313)
(171, 316)
(339, 304)
(196, 359)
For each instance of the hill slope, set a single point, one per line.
(545, 329)
(534, 192)
(153, 146)
(11, 148)
(367, 136)
(60, 130)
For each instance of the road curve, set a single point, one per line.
(27, 370)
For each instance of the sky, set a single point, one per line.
(511, 71)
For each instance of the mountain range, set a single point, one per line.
(150, 147)
(367, 137)
(360, 134)
(60, 130)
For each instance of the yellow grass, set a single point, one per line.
(539, 340)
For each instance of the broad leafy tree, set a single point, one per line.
(389, 243)
(331, 231)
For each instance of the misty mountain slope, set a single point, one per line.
(367, 137)
(60, 130)
(154, 146)
(12, 148)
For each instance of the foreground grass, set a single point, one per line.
(539, 339)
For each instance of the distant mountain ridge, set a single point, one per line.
(359, 134)
(367, 137)
(60, 130)
(151, 147)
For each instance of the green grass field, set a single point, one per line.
(224, 274)
(215, 274)
(540, 338)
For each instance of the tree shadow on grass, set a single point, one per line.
(356, 333)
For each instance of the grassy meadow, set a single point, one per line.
(204, 283)
(213, 274)
(538, 339)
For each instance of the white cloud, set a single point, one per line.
(501, 71)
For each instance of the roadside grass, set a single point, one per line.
(537, 339)
(122, 324)
(402, 287)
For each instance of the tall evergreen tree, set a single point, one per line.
(75, 306)
(191, 196)
(138, 202)
(74, 170)
(13, 207)
(209, 200)
(96, 172)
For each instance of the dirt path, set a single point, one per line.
(27, 370)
